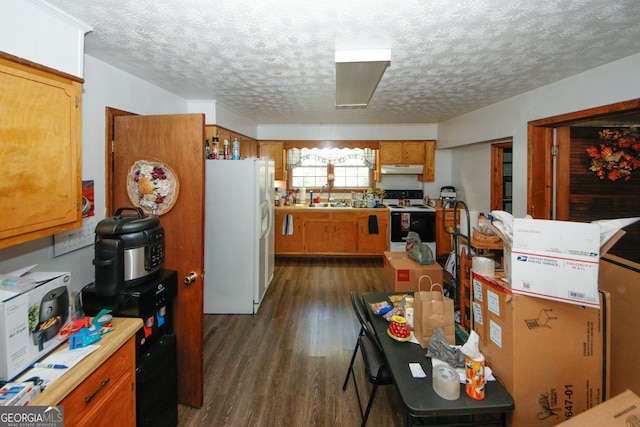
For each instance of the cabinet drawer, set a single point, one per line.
(116, 407)
(92, 391)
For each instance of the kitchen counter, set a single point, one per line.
(308, 208)
(301, 230)
(123, 330)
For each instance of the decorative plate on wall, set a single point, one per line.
(152, 186)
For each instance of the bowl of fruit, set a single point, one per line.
(399, 329)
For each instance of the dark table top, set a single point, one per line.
(419, 398)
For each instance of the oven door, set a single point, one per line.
(423, 223)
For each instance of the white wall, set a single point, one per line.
(346, 132)
(608, 84)
(471, 165)
(43, 34)
(216, 113)
(104, 86)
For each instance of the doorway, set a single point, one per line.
(572, 191)
(501, 176)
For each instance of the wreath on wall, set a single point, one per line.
(617, 155)
(152, 186)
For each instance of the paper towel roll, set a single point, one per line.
(483, 266)
(446, 382)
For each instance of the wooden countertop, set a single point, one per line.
(306, 207)
(123, 329)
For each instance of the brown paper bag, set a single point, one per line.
(431, 310)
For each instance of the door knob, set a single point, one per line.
(190, 278)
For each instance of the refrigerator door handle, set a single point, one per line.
(264, 219)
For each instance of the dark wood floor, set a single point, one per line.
(285, 366)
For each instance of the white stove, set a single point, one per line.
(409, 213)
(414, 205)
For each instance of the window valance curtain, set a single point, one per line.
(334, 156)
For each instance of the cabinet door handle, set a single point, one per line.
(100, 387)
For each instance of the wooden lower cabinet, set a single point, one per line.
(108, 396)
(443, 240)
(289, 243)
(331, 232)
(370, 243)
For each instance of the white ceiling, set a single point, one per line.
(272, 61)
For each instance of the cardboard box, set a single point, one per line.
(21, 314)
(401, 273)
(620, 411)
(551, 356)
(556, 260)
(621, 278)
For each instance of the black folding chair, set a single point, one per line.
(371, 352)
(361, 314)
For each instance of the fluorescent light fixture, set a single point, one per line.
(358, 73)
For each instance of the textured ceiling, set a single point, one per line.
(273, 61)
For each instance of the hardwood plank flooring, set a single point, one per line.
(285, 366)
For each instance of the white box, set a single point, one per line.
(556, 260)
(21, 314)
(18, 394)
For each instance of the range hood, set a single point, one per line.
(401, 169)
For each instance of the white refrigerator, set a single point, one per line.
(239, 235)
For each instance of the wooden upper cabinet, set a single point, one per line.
(390, 153)
(40, 151)
(248, 146)
(410, 153)
(402, 152)
(429, 172)
(274, 150)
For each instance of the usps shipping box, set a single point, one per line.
(401, 273)
(556, 260)
(551, 356)
(30, 322)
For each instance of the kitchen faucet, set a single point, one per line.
(328, 192)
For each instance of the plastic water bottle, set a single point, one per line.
(235, 150)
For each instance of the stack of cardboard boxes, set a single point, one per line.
(558, 327)
(545, 328)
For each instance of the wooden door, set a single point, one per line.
(178, 142)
